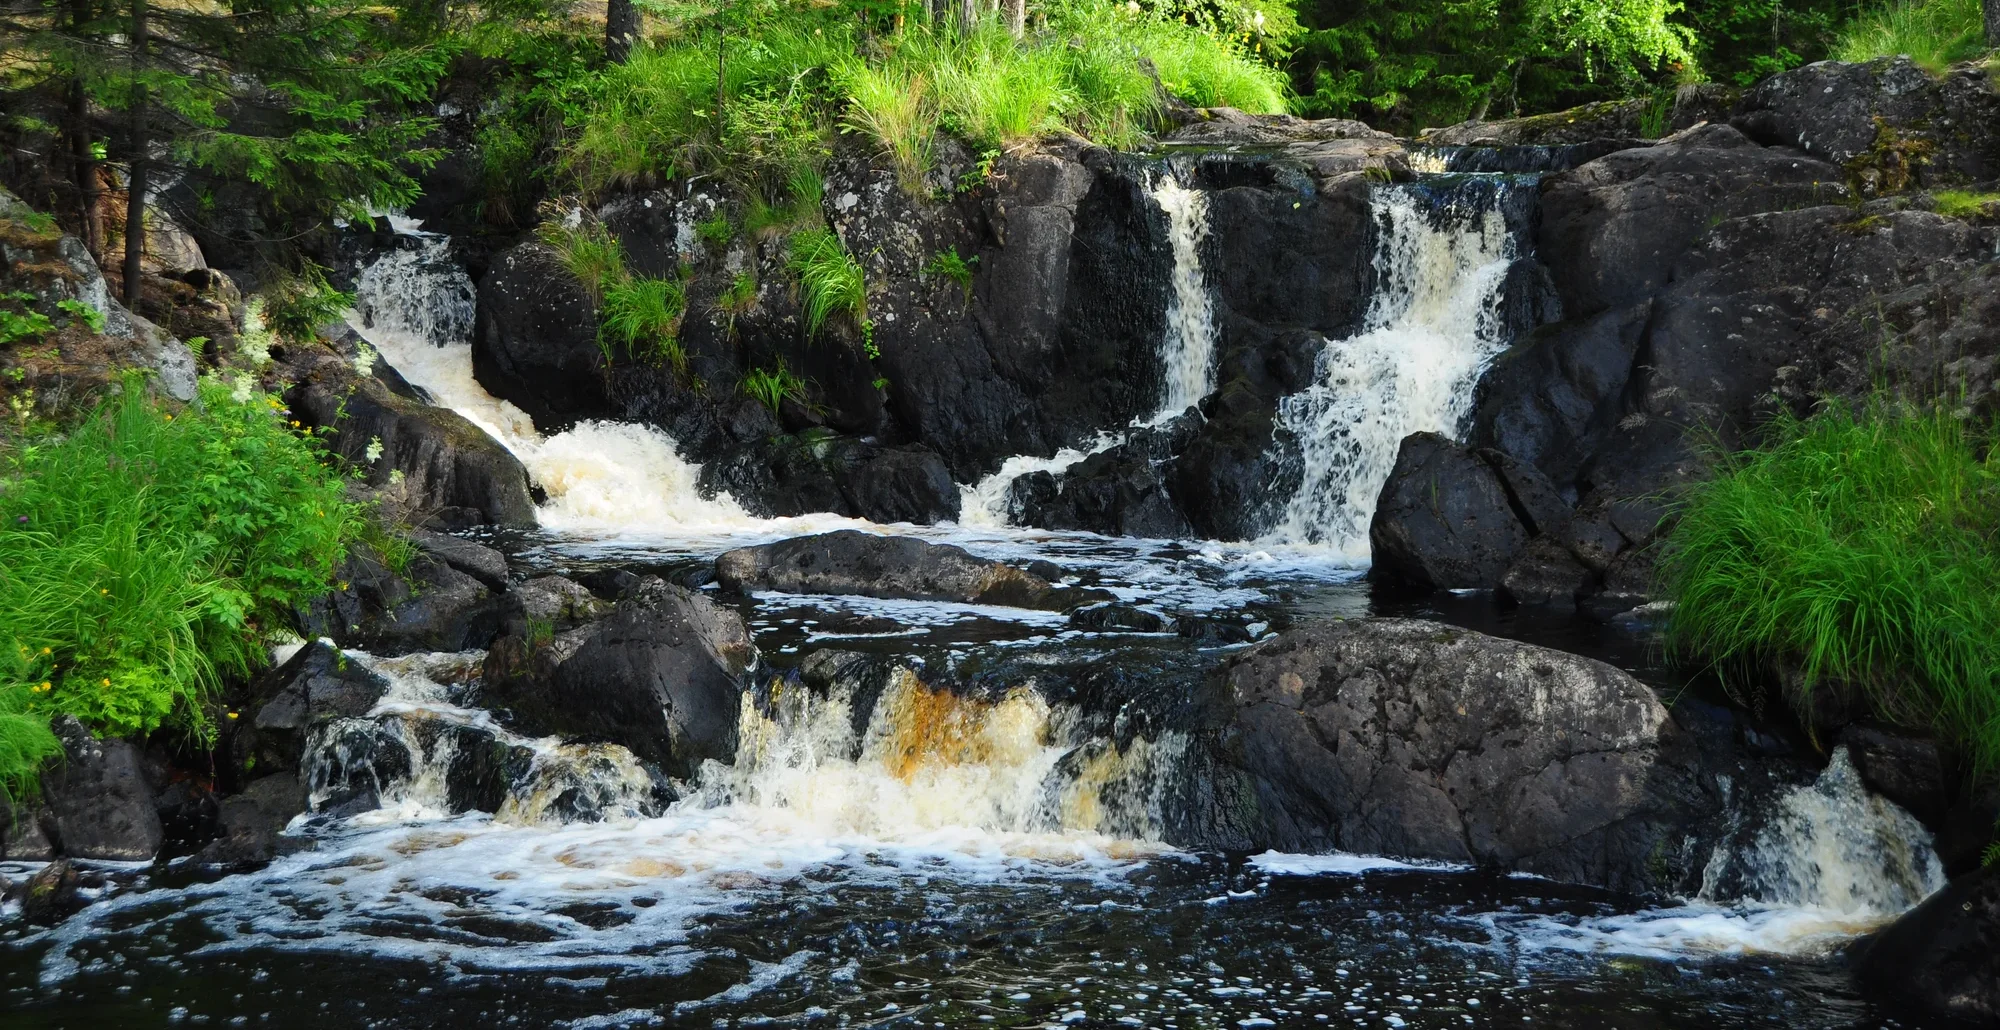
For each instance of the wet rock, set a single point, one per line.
(1417, 739)
(354, 760)
(22, 838)
(446, 463)
(1612, 229)
(1444, 519)
(902, 484)
(1113, 617)
(476, 560)
(1888, 121)
(874, 565)
(1118, 492)
(661, 676)
(1906, 768)
(1943, 955)
(285, 704)
(1206, 631)
(251, 824)
(1552, 398)
(1545, 573)
(50, 895)
(100, 803)
(549, 604)
(482, 769)
(535, 339)
(434, 607)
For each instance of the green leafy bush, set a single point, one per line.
(716, 231)
(1934, 33)
(1857, 551)
(148, 554)
(296, 306)
(644, 315)
(830, 281)
(19, 321)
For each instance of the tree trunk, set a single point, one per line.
(135, 195)
(1993, 23)
(621, 27)
(1017, 17)
(968, 14)
(721, 74)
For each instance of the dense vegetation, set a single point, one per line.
(147, 554)
(1853, 559)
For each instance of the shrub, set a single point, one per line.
(149, 554)
(296, 306)
(1858, 551)
(948, 264)
(829, 280)
(1934, 33)
(644, 315)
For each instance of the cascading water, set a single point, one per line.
(1186, 350)
(415, 305)
(1433, 322)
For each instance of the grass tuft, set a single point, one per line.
(1965, 203)
(1936, 34)
(830, 281)
(1856, 552)
(643, 314)
(588, 250)
(772, 388)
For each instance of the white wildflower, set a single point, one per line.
(364, 359)
(374, 450)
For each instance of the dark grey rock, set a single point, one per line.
(1943, 955)
(100, 802)
(50, 896)
(1444, 519)
(477, 560)
(285, 704)
(251, 824)
(22, 838)
(1545, 573)
(1840, 113)
(874, 565)
(1417, 739)
(434, 608)
(1111, 616)
(661, 676)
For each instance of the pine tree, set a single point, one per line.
(303, 101)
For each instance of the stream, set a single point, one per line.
(936, 859)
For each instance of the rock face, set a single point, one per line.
(1416, 739)
(100, 802)
(1888, 122)
(251, 823)
(661, 675)
(442, 465)
(872, 565)
(1945, 953)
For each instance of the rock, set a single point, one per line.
(1113, 617)
(482, 563)
(850, 561)
(22, 838)
(436, 608)
(1210, 632)
(1888, 122)
(1612, 229)
(1906, 768)
(100, 804)
(251, 824)
(535, 339)
(444, 461)
(1416, 739)
(1545, 573)
(50, 895)
(661, 676)
(902, 484)
(1116, 492)
(1227, 125)
(1551, 399)
(552, 603)
(1444, 520)
(1944, 955)
(286, 704)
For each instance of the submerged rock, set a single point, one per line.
(850, 561)
(1945, 953)
(50, 895)
(1419, 740)
(661, 675)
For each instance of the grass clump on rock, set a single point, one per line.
(1855, 557)
(1936, 34)
(148, 554)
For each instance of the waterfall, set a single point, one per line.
(1186, 350)
(1432, 324)
(415, 305)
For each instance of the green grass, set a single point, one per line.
(589, 251)
(1934, 33)
(1965, 203)
(643, 314)
(146, 556)
(772, 388)
(1857, 549)
(716, 231)
(830, 281)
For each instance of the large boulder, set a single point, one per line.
(1445, 518)
(286, 704)
(1888, 122)
(429, 606)
(1416, 739)
(661, 675)
(535, 339)
(850, 561)
(100, 800)
(251, 824)
(1944, 955)
(442, 465)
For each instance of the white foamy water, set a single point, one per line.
(1432, 325)
(415, 305)
(984, 504)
